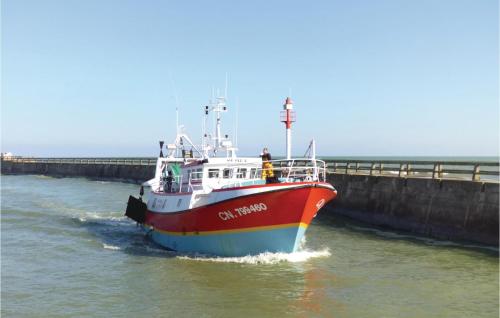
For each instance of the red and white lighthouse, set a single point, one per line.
(288, 117)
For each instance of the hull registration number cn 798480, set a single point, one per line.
(242, 211)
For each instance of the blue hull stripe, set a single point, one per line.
(284, 240)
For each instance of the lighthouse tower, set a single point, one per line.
(288, 117)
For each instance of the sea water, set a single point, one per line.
(67, 251)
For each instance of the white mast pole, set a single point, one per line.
(176, 120)
(313, 149)
(217, 131)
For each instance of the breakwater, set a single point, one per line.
(445, 200)
(127, 170)
(444, 209)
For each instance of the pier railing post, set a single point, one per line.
(372, 168)
(475, 174)
(435, 171)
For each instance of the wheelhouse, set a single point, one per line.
(220, 173)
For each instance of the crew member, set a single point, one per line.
(267, 166)
(170, 178)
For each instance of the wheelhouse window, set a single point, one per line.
(196, 174)
(227, 173)
(241, 173)
(213, 173)
(253, 173)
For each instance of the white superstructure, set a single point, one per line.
(214, 165)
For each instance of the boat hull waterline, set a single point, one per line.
(260, 221)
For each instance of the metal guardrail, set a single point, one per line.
(463, 170)
(83, 160)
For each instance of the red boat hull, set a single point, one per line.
(270, 212)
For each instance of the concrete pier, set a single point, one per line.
(127, 172)
(403, 198)
(445, 209)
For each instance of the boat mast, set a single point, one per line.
(176, 127)
(217, 141)
(219, 107)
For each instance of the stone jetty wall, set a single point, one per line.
(444, 209)
(119, 172)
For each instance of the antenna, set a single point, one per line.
(176, 120)
(236, 128)
(176, 104)
(225, 89)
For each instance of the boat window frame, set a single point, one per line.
(254, 173)
(229, 175)
(196, 174)
(241, 173)
(211, 170)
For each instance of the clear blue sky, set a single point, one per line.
(394, 77)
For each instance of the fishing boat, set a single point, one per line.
(205, 199)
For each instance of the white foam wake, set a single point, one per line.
(101, 216)
(111, 247)
(263, 258)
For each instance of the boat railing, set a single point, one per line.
(175, 187)
(195, 181)
(297, 169)
(283, 170)
(178, 180)
(279, 171)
